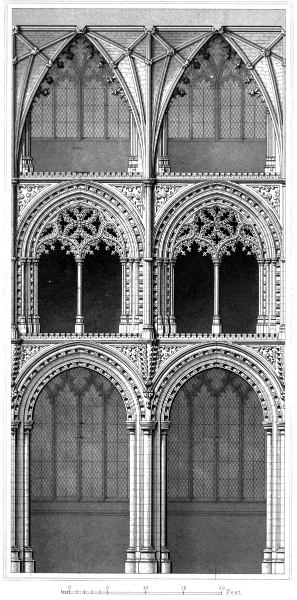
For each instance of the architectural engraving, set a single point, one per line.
(148, 309)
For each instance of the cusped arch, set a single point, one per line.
(237, 48)
(181, 209)
(247, 364)
(25, 106)
(49, 363)
(40, 212)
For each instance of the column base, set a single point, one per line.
(36, 325)
(22, 326)
(216, 326)
(147, 332)
(130, 564)
(165, 563)
(147, 563)
(15, 563)
(273, 562)
(79, 326)
(28, 562)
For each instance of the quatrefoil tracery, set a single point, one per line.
(80, 231)
(216, 231)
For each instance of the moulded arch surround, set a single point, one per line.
(51, 201)
(25, 108)
(42, 367)
(255, 369)
(172, 215)
(242, 55)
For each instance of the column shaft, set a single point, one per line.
(130, 565)
(266, 564)
(164, 555)
(79, 321)
(28, 562)
(36, 326)
(15, 561)
(147, 563)
(216, 322)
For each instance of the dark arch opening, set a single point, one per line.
(239, 295)
(216, 476)
(102, 291)
(193, 292)
(57, 280)
(79, 475)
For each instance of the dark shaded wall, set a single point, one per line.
(239, 295)
(80, 155)
(221, 543)
(216, 157)
(57, 291)
(78, 542)
(102, 291)
(193, 292)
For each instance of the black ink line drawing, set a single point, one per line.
(148, 322)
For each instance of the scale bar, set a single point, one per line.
(144, 593)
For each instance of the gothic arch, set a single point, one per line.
(43, 367)
(27, 98)
(276, 119)
(95, 196)
(250, 366)
(232, 196)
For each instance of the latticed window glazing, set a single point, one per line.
(203, 110)
(66, 108)
(179, 118)
(95, 112)
(117, 116)
(94, 108)
(79, 445)
(231, 109)
(254, 116)
(216, 440)
(42, 124)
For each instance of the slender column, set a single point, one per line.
(23, 323)
(130, 565)
(164, 558)
(148, 331)
(79, 321)
(267, 554)
(216, 322)
(270, 166)
(260, 321)
(124, 319)
(147, 563)
(26, 165)
(159, 296)
(163, 165)
(28, 562)
(164, 299)
(15, 560)
(281, 542)
(29, 303)
(172, 321)
(282, 298)
(36, 323)
(13, 259)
